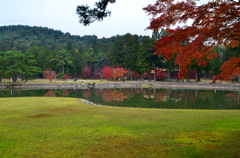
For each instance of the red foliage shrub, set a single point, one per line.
(86, 71)
(107, 72)
(49, 74)
(65, 76)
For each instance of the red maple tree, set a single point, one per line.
(134, 74)
(107, 72)
(65, 76)
(49, 74)
(119, 72)
(229, 70)
(110, 73)
(214, 23)
(86, 71)
(160, 74)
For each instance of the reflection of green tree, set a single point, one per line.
(210, 100)
(177, 99)
(22, 93)
(147, 98)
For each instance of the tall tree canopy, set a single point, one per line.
(214, 23)
(88, 15)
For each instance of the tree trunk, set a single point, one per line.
(0, 79)
(197, 76)
(130, 75)
(155, 74)
(26, 78)
(14, 77)
(168, 75)
(63, 68)
(155, 95)
(238, 78)
(149, 75)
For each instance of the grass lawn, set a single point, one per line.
(66, 127)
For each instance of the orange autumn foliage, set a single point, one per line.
(229, 70)
(112, 95)
(50, 93)
(113, 73)
(214, 23)
(118, 72)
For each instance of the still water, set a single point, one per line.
(143, 98)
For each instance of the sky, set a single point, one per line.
(127, 16)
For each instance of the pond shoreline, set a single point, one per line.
(127, 84)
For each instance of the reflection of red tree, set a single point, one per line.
(191, 96)
(98, 92)
(65, 93)
(138, 91)
(231, 96)
(112, 95)
(86, 93)
(133, 92)
(161, 96)
(50, 93)
(176, 95)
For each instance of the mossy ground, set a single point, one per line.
(66, 127)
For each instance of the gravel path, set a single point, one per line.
(130, 84)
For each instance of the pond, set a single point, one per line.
(143, 98)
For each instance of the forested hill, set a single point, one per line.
(29, 51)
(23, 37)
(25, 49)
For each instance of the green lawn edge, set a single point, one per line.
(67, 127)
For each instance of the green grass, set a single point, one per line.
(66, 127)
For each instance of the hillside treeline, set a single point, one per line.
(27, 52)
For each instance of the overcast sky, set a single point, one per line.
(127, 16)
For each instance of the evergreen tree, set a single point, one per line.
(146, 60)
(62, 59)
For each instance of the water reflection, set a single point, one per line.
(145, 98)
